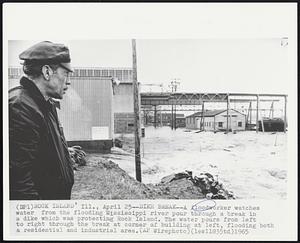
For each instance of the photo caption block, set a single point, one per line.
(158, 219)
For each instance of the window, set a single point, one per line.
(240, 124)
(111, 73)
(105, 73)
(119, 74)
(125, 74)
(97, 73)
(220, 124)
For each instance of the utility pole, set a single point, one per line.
(227, 115)
(173, 85)
(172, 107)
(136, 115)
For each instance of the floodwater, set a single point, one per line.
(252, 165)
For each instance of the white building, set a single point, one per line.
(215, 120)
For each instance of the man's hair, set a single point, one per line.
(34, 70)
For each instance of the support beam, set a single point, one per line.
(285, 114)
(261, 117)
(174, 117)
(271, 114)
(203, 117)
(155, 115)
(161, 121)
(167, 98)
(227, 117)
(214, 123)
(257, 104)
(250, 112)
(172, 123)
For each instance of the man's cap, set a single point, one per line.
(47, 52)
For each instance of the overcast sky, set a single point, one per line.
(202, 65)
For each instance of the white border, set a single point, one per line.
(65, 21)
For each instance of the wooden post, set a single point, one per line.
(271, 113)
(257, 103)
(203, 117)
(248, 115)
(172, 117)
(250, 108)
(261, 117)
(138, 171)
(229, 111)
(161, 121)
(285, 114)
(145, 117)
(214, 123)
(155, 116)
(175, 116)
(227, 126)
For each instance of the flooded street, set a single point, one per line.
(252, 165)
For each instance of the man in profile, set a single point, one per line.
(39, 161)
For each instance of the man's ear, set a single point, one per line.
(46, 70)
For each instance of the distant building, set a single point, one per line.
(214, 120)
(162, 118)
(271, 125)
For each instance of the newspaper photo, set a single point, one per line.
(153, 121)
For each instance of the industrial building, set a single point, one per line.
(97, 99)
(123, 108)
(216, 120)
(162, 118)
(86, 113)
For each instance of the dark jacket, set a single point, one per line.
(39, 162)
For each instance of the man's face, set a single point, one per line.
(58, 83)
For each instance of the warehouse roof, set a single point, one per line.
(210, 113)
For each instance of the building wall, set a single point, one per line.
(123, 108)
(124, 122)
(122, 74)
(86, 110)
(14, 75)
(162, 118)
(234, 119)
(123, 98)
(192, 122)
(237, 121)
(209, 123)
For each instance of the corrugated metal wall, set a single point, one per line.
(86, 110)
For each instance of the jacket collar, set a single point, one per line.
(35, 92)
